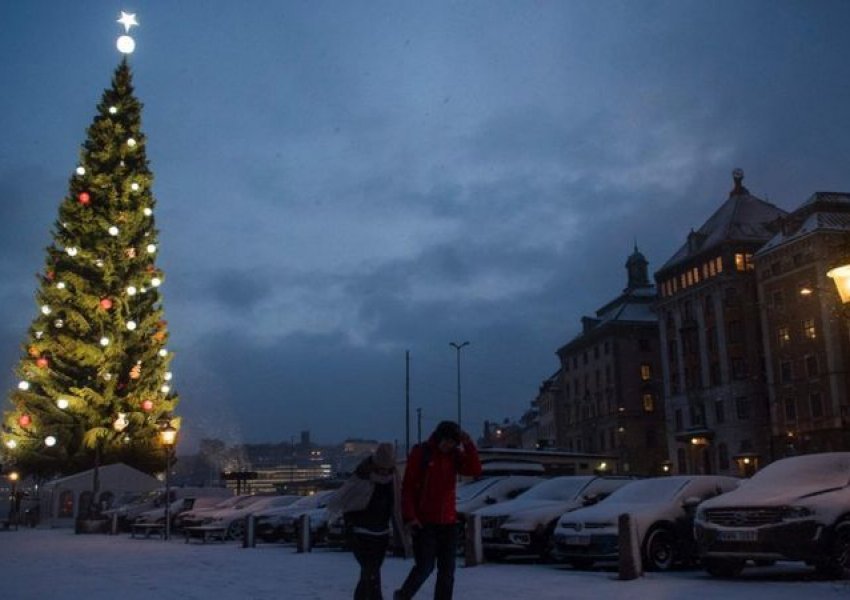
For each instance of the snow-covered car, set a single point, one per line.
(492, 490)
(796, 508)
(197, 514)
(127, 512)
(525, 524)
(268, 523)
(662, 508)
(233, 519)
(318, 525)
(178, 508)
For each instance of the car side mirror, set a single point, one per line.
(490, 500)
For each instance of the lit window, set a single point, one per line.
(809, 329)
(739, 262)
(784, 335)
(648, 403)
(719, 262)
(645, 372)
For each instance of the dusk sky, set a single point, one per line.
(338, 182)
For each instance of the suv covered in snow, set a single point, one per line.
(796, 508)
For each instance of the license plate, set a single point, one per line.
(577, 540)
(744, 535)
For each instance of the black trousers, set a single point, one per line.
(433, 544)
(369, 550)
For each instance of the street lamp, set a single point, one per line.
(841, 277)
(168, 437)
(13, 499)
(458, 347)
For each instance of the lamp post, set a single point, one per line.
(458, 348)
(168, 437)
(13, 498)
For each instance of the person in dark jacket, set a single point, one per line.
(428, 506)
(370, 500)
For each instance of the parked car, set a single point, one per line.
(492, 490)
(796, 508)
(525, 524)
(269, 522)
(181, 506)
(233, 519)
(662, 509)
(132, 507)
(197, 514)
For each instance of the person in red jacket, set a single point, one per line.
(428, 506)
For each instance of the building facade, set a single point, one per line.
(717, 409)
(805, 332)
(610, 384)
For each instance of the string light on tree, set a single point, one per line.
(24, 386)
(113, 231)
(71, 251)
(50, 441)
(62, 403)
(104, 341)
(81, 170)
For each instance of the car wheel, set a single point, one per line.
(837, 566)
(581, 563)
(659, 550)
(236, 530)
(724, 567)
(546, 547)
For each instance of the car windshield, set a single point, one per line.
(817, 471)
(229, 502)
(648, 491)
(475, 488)
(560, 488)
(246, 501)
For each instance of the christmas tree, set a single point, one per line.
(95, 385)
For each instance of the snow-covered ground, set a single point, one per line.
(56, 564)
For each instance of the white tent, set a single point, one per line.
(60, 499)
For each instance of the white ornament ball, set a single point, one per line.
(50, 441)
(131, 325)
(131, 142)
(168, 376)
(125, 44)
(45, 310)
(23, 385)
(104, 341)
(131, 291)
(11, 444)
(71, 250)
(151, 248)
(147, 212)
(156, 282)
(113, 110)
(62, 403)
(135, 186)
(163, 352)
(61, 285)
(113, 231)
(165, 389)
(81, 170)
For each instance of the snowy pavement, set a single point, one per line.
(56, 564)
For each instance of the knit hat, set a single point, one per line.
(447, 430)
(384, 457)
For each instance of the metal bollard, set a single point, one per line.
(302, 543)
(474, 549)
(630, 564)
(114, 527)
(249, 540)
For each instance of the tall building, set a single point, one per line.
(804, 331)
(610, 380)
(717, 413)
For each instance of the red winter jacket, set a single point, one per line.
(428, 494)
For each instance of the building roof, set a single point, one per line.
(823, 211)
(742, 218)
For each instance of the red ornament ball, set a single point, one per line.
(105, 303)
(147, 405)
(41, 363)
(24, 420)
(84, 198)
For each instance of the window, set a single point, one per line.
(739, 368)
(698, 414)
(775, 268)
(786, 374)
(681, 462)
(784, 335)
(734, 330)
(66, 504)
(742, 408)
(744, 262)
(816, 405)
(790, 409)
(651, 438)
(596, 352)
(722, 457)
(575, 362)
(607, 347)
(797, 259)
(809, 329)
(645, 372)
(719, 262)
(719, 412)
(731, 296)
(812, 365)
(584, 357)
(648, 403)
(714, 373)
(679, 420)
(778, 299)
